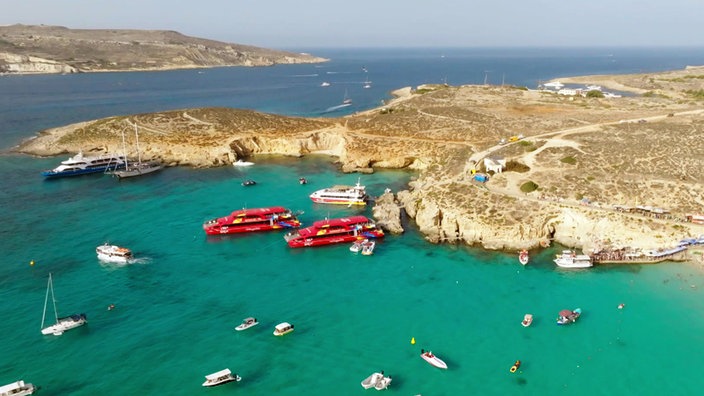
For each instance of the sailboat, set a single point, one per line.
(346, 100)
(140, 168)
(367, 83)
(62, 324)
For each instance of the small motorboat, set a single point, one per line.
(368, 247)
(357, 245)
(302, 180)
(383, 383)
(527, 320)
(248, 182)
(325, 84)
(114, 254)
(239, 163)
(515, 366)
(523, 257)
(372, 380)
(283, 328)
(566, 316)
(247, 323)
(432, 359)
(221, 377)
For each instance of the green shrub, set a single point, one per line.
(569, 160)
(528, 186)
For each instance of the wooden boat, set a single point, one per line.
(527, 320)
(247, 323)
(566, 316)
(433, 360)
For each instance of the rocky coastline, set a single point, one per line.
(584, 156)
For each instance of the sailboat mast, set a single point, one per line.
(139, 152)
(46, 299)
(53, 299)
(124, 148)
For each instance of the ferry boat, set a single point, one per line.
(81, 165)
(327, 232)
(248, 220)
(569, 259)
(342, 195)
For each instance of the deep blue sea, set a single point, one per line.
(176, 308)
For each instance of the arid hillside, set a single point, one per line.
(56, 49)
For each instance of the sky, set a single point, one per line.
(290, 24)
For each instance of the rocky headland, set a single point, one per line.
(571, 161)
(31, 49)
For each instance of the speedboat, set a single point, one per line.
(239, 162)
(81, 165)
(221, 377)
(17, 388)
(326, 232)
(357, 245)
(283, 328)
(247, 323)
(302, 180)
(250, 220)
(341, 195)
(114, 254)
(569, 259)
(372, 380)
(248, 182)
(377, 381)
(523, 257)
(368, 247)
(566, 316)
(325, 84)
(433, 360)
(527, 320)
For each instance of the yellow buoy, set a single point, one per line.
(413, 341)
(31, 263)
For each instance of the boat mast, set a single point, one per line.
(139, 153)
(124, 148)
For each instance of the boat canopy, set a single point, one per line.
(283, 326)
(219, 374)
(566, 312)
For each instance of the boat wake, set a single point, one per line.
(306, 75)
(338, 107)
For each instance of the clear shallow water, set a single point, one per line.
(177, 308)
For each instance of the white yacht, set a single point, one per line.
(343, 195)
(114, 254)
(569, 259)
(81, 165)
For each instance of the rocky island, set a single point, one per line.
(584, 171)
(28, 49)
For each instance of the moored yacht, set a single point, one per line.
(342, 195)
(81, 165)
(326, 232)
(569, 259)
(249, 220)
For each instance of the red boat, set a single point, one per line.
(249, 220)
(327, 232)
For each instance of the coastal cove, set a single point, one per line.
(175, 309)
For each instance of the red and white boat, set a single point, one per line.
(327, 232)
(249, 220)
(341, 195)
(433, 360)
(523, 257)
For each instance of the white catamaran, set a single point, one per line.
(62, 324)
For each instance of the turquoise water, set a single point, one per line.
(176, 308)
